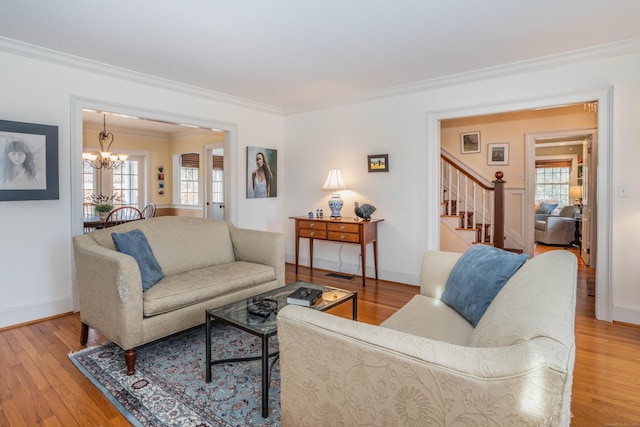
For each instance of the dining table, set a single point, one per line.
(96, 223)
(93, 221)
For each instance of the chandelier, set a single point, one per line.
(104, 159)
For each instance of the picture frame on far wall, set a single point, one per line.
(378, 163)
(262, 172)
(470, 142)
(498, 154)
(28, 161)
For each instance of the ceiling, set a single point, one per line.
(295, 54)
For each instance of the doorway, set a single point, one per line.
(584, 159)
(185, 122)
(214, 181)
(602, 193)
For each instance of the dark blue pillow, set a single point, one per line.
(135, 243)
(546, 208)
(477, 277)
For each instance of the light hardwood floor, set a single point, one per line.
(40, 386)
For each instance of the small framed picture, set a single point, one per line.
(378, 162)
(470, 142)
(498, 154)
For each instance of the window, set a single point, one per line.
(217, 180)
(189, 179)
(553, 183)
(89, 182)
(126, 183)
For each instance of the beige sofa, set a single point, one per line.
(426, 365)
(205, 264)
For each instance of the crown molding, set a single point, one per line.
(48, 55)
(620, 48)
(595, 52)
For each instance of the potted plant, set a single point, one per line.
(103, 204)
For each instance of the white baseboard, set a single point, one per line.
(28, 313)
(353, 269)
(626, 315)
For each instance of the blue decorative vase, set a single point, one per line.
(335, 204)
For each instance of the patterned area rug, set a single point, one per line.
(169, 388)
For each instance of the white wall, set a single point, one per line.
(403, 126)
(35, 236)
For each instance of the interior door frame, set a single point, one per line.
(80, 103)
(604, 96)
(208, 173)
(530, 174)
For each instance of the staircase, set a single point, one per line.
(471, 206)
(462, 221)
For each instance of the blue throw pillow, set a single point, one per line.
(546, 208)
(476, 279)
(135, 243)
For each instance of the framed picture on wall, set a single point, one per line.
(378, 163)
(262, 172)
(470, 142)
(28, 161)
(498, 154)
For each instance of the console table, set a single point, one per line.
(345, 230)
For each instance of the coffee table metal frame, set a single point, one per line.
(237, 314)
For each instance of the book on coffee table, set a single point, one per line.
(304, 296)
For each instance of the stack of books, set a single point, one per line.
(304, 296)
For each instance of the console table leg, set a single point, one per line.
(297, 251)
(363, 255)
(375, 257)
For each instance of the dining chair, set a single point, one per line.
(88, 210)
(149, 211)
(121, 215)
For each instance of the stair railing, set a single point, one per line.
(462, 189)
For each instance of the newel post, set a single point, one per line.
(498, 205)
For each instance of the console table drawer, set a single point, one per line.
(343, 228)
(312, 225)
(313, 234)
(344, 237)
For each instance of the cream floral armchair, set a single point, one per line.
(427, 366)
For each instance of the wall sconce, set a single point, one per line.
(335, 183)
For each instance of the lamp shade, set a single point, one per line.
(575, 192)
(334, 181)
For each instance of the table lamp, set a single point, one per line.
(575, 192)
(335, 183)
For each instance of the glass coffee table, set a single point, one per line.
(258, 314)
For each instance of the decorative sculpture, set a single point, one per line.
(364, 211)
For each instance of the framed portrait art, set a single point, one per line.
(262, 172)
(470, 142)
(498, 154)
(28, 161)
(378, 163)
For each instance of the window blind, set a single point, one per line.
(190, 160)
(218, 162)
(555, 163)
